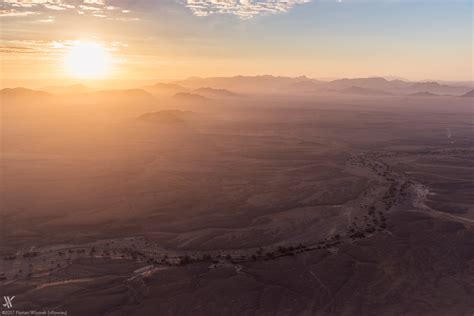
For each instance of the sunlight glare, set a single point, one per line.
(88, 60)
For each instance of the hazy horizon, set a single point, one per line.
(138, 83)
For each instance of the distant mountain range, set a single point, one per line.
(22, 93)
(367, 83)
(196, 88)
(242, 84)
(376, 85)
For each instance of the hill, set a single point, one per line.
(167, 117)
(436, 88)
(218, 93)
(395, 86)
(424, 94)
(19, 92)
(469, 94)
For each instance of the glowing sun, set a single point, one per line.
(88, 60)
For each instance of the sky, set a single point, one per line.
(172, 39)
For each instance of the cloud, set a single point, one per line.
(54, 49)
(97, 8)
(49, 19)
(15, 13)
(99, 2)
(16, 50)
(245, 9)
(57, 5)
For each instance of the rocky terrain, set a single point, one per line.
(223, 207)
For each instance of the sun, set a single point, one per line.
(87, 60)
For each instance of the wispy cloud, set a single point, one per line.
(51, 48)
(96, 8)
(15, 13)
(245, 9)
(16, 50)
